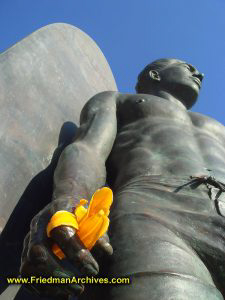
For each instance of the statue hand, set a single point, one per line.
(103, 246)
(39, 260)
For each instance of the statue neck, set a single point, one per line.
(167, 96)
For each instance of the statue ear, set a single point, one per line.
(154, 75)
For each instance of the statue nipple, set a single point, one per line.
(140, 100)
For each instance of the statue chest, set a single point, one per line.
(137, 108)
(166, 131)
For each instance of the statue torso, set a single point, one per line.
(157, 137)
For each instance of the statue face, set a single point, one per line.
(182, 80)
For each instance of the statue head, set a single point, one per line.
(176, 77)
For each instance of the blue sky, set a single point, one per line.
(132, 33)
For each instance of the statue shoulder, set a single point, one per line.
(101, 100)
(119, 98)
(208, 125)
(201, 120)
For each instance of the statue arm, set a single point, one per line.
(81, 167)
(79, 172)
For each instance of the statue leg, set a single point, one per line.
(160, 264)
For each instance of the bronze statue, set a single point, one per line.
(166, 166)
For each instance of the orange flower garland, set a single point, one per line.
(91, 223)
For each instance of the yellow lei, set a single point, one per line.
(91, 223)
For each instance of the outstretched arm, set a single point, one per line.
(79, 172)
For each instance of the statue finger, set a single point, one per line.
(74, 250)
(103, 246)
(41, 262)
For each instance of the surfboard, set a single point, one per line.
(45, 80)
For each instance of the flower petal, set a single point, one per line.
(80, 213)
(102, 199)
(93, 228)
(57, 251)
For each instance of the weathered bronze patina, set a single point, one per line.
(166, 166)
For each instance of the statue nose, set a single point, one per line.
(201, 75)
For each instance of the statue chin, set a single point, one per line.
(190, 95)
(189, 104)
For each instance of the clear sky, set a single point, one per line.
(132, 33)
